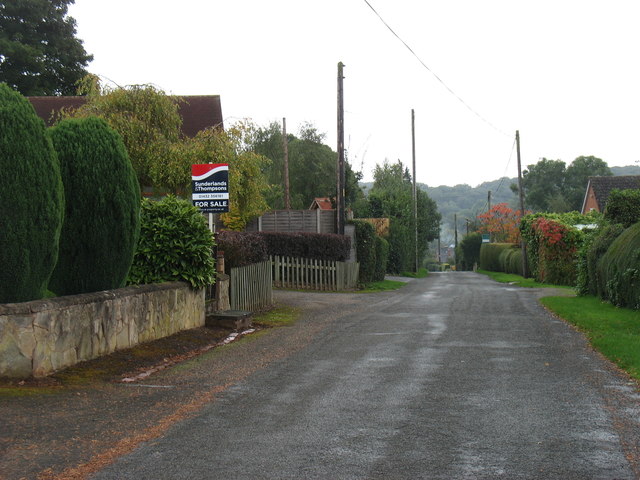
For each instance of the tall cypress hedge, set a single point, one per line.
(102, 217)
(31, 201)
(619, 270)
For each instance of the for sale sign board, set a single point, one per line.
(210, 187)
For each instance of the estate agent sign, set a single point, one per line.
(210, 187)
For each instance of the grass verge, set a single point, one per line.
(421, 273)
(279, 316)
(613, 331)
(519, 280)
(383, 286)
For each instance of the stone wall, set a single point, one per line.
(37, 338)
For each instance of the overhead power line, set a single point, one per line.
(434, 74)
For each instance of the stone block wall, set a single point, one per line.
(40, 337)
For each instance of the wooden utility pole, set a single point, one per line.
(489, 201)
(455, 222)
(340, 172)
(285, 144)
(415, 192)
(523, 245)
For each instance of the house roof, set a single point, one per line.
(322, 203)
(197, 111)
(602, 187)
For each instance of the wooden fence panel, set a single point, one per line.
(309, 274)
(315, 221)
(251, 287)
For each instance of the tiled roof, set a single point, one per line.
(323, 203)
(602, 186)
(46, 107)
(197, 111)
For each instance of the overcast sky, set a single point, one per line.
(565, 73)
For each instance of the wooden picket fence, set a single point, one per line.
(309, 274)
(251, 287)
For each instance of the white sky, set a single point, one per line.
(566, 73)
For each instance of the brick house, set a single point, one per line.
(599, 188)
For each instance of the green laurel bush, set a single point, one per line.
(175, 245)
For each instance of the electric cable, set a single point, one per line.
(434, 74)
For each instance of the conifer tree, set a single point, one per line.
(102, 215)
(31, 200)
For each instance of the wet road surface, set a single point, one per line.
(452, 377)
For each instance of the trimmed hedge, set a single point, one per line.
(619, 270)
(31, 201)
(241, 248)
(501, 257)
(245, 248)
(511, 260)
(491, 257)
(175, 245)
(318, 246)
(102, 214)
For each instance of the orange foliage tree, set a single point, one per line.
(502, 223)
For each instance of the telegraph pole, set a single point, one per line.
(285, 144)
(415, 192)
(455, 221)
(489, 201)
(340, 172)
(523, 245)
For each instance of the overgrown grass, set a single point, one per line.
(383, 286)
(519, 280)
(422, 272)
(280, 316)
(613, 331)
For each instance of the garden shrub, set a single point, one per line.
(552, 248)
(175, 244)
(366, 250)
(102, 212)
(241, 248)
(623, 206)
(401, 248)
(31, 199)
(619, 270)
(382, 257)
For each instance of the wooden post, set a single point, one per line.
(340, 171)
(285, 144)
(415, 192)
(525, 270)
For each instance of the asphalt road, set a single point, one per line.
(452, 377)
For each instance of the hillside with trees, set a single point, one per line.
(468, 202)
